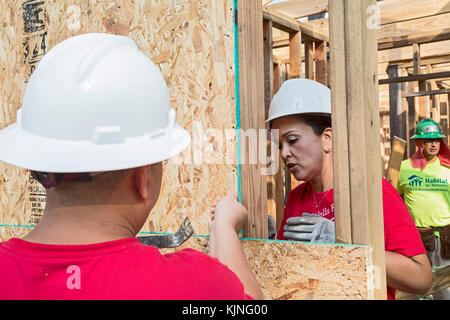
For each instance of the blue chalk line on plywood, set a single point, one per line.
(207, 236)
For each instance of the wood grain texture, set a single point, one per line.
(251, 89)
(357, 49)
(309, 59)
(302, 271)
(192, 44)
(321, 62)
(295, 55)
(341, 179)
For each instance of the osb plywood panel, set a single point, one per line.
(7, 233)
(295, 270)
(192, 42)
(290, 270)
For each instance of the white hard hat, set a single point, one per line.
(94, 103)
(298, 96)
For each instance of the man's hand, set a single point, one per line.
(228, 217)
(309, 227)
(227, 211)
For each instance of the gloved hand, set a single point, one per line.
(272, 228)
(309, 227)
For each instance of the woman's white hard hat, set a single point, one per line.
(94, 103)
(298, 96)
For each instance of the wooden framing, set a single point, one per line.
(295, 55)
(409, 34)
(419, 77)
(343, 222)
(251, 89)
(309, 59)
(400, 41)
(301, 8)
(397, 118)
(289, 25)
(390, 11)
(315, 67)
(425, 93)
(356, 48)
(408, 40)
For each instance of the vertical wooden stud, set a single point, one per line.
(309, 59)
(251, 88)
(321, 62)
(295, 55)
(357, 46)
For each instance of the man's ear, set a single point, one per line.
(141, 181)
(327, 140)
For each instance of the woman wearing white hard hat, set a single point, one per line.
(95, 125)
(301, 111)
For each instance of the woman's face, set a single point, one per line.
(301, 149)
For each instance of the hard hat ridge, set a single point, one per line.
(102, 48)
(300, 96)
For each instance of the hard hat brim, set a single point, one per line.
(25, 150)
(273, 118)
(432, 135)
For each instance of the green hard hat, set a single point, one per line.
(428, 129)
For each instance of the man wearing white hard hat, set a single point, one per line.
(301, 111)
(94, 128)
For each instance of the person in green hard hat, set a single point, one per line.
(424, 185)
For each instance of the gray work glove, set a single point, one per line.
(272, 232)
(309, 227)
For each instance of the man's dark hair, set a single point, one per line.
(50, 179)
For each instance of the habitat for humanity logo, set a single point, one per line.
(415, 181)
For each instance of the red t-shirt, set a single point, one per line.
(120, 269)
(400, 233)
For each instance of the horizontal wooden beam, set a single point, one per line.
(398, 11)
(420, 38)
(393, 42)
(444, 58)
(425, 93)
(280, 21)
(393, 11)
(405, 54)
(418, 77)
(281, 43)
(287, 24)
(442, 84)
(421, 30)
(396, 42)
(300, 8)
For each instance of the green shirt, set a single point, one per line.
(426, 193)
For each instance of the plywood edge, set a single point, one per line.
(291, 270)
